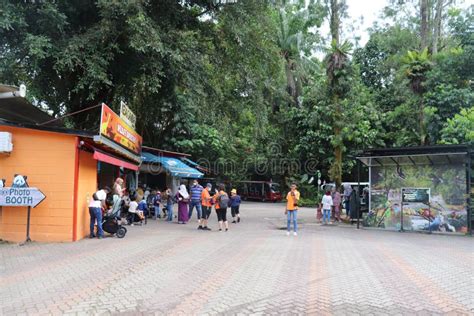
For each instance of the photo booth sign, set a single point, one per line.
(21, 197)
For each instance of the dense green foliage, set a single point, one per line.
(242, 82)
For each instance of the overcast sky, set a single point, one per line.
(370, 10)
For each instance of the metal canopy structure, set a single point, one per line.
(16, 109)
(439, 155)
(427, 155)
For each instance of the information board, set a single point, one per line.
(416, 195)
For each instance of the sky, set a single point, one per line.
(368, 9)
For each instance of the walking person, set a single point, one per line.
(222, 201)
(347, 196)
(169, 204)
(206, 202)
(234, 204)
(327, 204)
(156, 203)
(182, 196)
(95, 211)
(291, 211)
(336, 200)
(196, 191)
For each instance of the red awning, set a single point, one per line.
(114, 161)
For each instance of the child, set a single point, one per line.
(327, 204)
(234, 204)
(133, 211)
(142, 210)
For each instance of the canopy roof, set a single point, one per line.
(174, 166)
(19, 110)
(422, 155)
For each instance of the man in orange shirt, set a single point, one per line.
(206, 202)
(292, 199)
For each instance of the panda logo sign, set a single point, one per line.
(19, 181)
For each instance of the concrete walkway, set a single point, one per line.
(254, 268)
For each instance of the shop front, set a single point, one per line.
(68, 166)
(426, 189)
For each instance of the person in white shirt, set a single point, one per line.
(95, 211)
(327, 205)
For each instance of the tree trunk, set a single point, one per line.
(335, 21)
(424, 23)
(337, 166)
(336, 169)
(437, 26)
(422, 121)
(291, 82)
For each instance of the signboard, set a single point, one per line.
(127, 115)
(416, 195)
(115, 129)
(21, 196)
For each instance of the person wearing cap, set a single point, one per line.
(234, 204)
(206, 201)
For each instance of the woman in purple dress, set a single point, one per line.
(336, 200)
(183, 200)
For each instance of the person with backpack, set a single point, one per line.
(167, 196)
(291, 211)
(234, 204)
(222, 202)
(95, 211)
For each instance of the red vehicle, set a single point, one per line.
(260, 190)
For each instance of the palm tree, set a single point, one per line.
(337, 71)
(295, 18)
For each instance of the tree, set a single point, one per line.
(295, 21)
(338, 73)
(459, 129)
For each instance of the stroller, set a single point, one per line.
(110, 223)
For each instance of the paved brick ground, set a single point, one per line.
(254, 268)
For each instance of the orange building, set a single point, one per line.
(67, 166)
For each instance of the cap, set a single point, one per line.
(233, 191)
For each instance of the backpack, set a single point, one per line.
(223, 200)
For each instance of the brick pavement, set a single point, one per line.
(164, 268)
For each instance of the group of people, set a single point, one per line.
(329, 207)
(136, 206)
(202, 199)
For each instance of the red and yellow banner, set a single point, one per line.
(115, 129)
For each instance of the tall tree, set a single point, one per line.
(296, 38)
(337, 70)
(437, 26)
(424, 24)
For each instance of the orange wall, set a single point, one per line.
(48, 160)
(87, 185)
